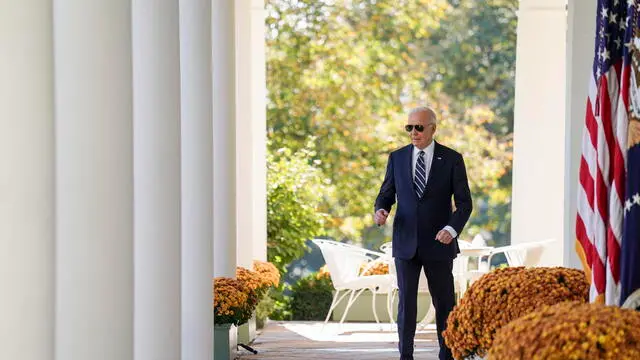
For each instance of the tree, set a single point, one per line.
(347, 72)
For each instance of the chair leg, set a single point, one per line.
(333, 305)
(352, 298)
(390, 298)
(373, 305)
(429, 317)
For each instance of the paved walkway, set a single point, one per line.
(309, 340)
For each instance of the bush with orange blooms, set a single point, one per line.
(377, 268)
(504, 295)
(570, 330)
(230, 301)
(269, 274)
(253, 285)
(323, 272)
(366, 269)
(235, 300)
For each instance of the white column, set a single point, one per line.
(251, 131)
(94, 180)
(197, 178)
(224, 140)
(26, 177)
(244, 133)
(539, 126)
(580, 50)
(156, 93)
(259, 126)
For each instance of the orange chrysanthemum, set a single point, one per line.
(504, 295)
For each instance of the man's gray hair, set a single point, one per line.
(428, 110)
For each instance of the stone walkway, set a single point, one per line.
(309, 340)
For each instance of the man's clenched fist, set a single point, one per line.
(380, 216)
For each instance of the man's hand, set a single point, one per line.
(380, 217)
(444, 236)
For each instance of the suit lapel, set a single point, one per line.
(409, 162)
(436, 165)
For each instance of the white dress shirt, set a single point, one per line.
(428, 160)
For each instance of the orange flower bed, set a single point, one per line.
(570, 330)
(379, 268)
(504, 295)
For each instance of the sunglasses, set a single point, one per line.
(409, 128)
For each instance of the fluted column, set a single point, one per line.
(157, 168)
(27, 180)
(94, 180)
(224, 140)
(197, 178)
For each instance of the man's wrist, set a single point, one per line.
(451, 231)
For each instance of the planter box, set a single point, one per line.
(225, 341)
(360, 311)
(247, 332)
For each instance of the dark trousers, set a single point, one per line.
(440, 280)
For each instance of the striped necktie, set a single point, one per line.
(420, 179)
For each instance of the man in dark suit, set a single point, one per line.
(423, 177)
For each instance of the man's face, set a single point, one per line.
(421, 139)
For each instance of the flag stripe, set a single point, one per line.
(601, 194)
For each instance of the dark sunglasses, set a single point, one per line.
(409, 128)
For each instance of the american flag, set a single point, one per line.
(630, 260)
(601, 195)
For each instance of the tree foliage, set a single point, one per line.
(347, 72)
(294, 193)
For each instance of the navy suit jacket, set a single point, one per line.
(418, 220)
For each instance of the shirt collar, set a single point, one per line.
(428, 150)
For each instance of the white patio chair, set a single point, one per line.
(524, 254)
(344, 263)
(461, 276)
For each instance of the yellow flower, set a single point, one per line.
(270, 276)
(559, 332)
(229, 301)
(379, 268)
(504, 295)
(323, 272)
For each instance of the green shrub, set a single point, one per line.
(263, 310)
(295, 192)
(281, 307)
(311, 297)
